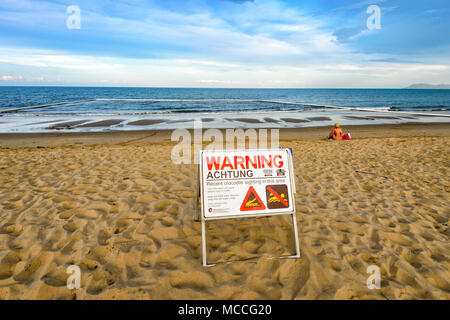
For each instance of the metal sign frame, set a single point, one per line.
(248, 215)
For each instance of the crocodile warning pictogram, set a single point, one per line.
(252, 201)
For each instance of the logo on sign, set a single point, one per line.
(252, 201)
(277, 196)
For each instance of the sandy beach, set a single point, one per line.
(114, 204)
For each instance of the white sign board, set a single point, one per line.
(246, 183)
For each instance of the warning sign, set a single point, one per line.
(246, 183)
(252, 201)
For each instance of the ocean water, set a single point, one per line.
(386, 99)
(391, 106)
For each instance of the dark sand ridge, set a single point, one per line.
(103, 123)
(149, 122)
(319, 119)
(245, 120)
(270, 120)
(67, 124)
(145, 122)
(293, 120)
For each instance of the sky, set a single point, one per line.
(225, 43)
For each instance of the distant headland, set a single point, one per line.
(428, 86)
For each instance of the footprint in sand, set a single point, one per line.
(100, 281)
(31, 268)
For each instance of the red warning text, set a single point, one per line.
(244, 162)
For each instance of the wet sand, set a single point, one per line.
(115, 205)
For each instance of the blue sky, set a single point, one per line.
(225, 43)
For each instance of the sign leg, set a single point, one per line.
(205, 264)
(297, 244)
(197, 200)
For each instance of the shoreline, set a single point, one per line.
(281, 119)
(54, 139)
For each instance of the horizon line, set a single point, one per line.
(181, 87)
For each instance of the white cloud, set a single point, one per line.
(54, 59)
(63, 68)
(238, 33)
(213, 81)
(10, 78)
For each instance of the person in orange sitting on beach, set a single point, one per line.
(336, 134)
